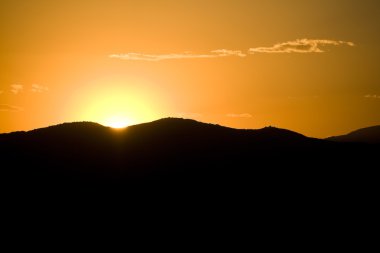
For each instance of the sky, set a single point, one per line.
(309, 66)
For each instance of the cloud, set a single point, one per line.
(16, 88)
(241, 115)
(294, 46)
(156, 57)
(39, 88)
(372, 96)
(186, 55)
(9, 108)
(300, 46)
(227, 52)
(1, 92)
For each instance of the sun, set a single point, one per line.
(115, 106)
(118, 122)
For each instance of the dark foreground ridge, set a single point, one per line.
(364, 135)
(177, 150)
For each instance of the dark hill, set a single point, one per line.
(364, 135)
(177, 150)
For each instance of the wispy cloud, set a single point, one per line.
(372, 96)
(189, 115)
(1, 92)
(239, 115)
(227, 52)
(294, 46)
(39, 88)
(300, 46)
(16, 88)
(186, 55)
(9, 108)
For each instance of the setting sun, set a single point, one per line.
(112, 103)
(118, 122)
(117, 109)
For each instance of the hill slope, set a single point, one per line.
(364, 135)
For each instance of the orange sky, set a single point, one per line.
(309, 66)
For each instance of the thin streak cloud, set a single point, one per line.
(16, 88)
(227, 52)
(186, 55)
(294, 46)
(374, 96)
(300, 46)
(36, 88)
(239, 115)
(9, 108)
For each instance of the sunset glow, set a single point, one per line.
(309, 66)
(118, 122)
(115, 105)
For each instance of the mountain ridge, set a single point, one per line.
(174, 149)
(364, 135)
(172, 122)
(164, 122)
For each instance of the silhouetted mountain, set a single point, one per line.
(178, 150)
(363, 135)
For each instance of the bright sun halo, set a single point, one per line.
(118, 122)
(115, 106)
